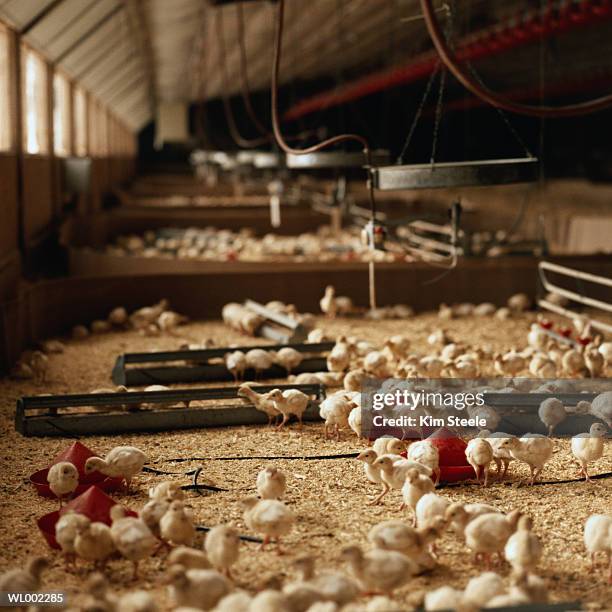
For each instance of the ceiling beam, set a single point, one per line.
(40, 16)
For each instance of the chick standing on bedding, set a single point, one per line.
(479, 455)
(121, 462)
(236, 363)
(487, 534)
(501, 456)
(379, 571)
(137, 601)
(290, 402)
(176, 525)
(189, 558)
(288, 358)
(271, 483)
(195, 588)
(533, 449)
(598, 538)
(26, 579)
(388, 445)
(371, 469)
(168, 490)
(269, 517)
(523, 549)
(66, 532)
(427, 454)
(94, 543)
(259, 360)
(415, 486)
(460, 515)
(587, 447)
(335, 410)
(261, 401)
(339, 357)
(393, 473)
(222, 546)
(131, 537)
(551, 413)
(63, 479)
(333, 586)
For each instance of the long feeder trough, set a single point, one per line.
(277, 326)
(198, 367)
(40, 416)
(456, 174)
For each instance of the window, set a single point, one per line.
(80, 122)
(61, 116)
(36, 128)
(6, 124)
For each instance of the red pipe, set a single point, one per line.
(515, 32)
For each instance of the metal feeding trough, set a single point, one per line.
(335, 159)
(105, 413)
(198, 367)
(456, 174)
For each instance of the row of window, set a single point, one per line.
(80, 125)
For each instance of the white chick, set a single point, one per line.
(316, 336)
(354, 421)
(333, 586)
(484, 309)
(533, 449)
(98, 594)
(259, 360)
(121, 462)
(376, 364)
(335, 410)
(339, 357)
(189, 558)
(289, 358)
(481, 589)
(410, 541)
(176, 525)
(39, 363)
(379, 571)
(328, 302)
(238, 601)
(572, 362)
(600, 407)
(269, 517)
(523, 549)
(415, 486)
(24, 579)
(196, 588)
(487, 534)
(460, 515)
(519, 302)
(270, 601)
(393, 473)
(222, 546)
(605, 348)
(353, 380)
(151, 513)
(594, 361)
(551, 413)
(598, 538)
(118, 316)
(236, 363)
(167, 490)
(261, 401)
(131, 537)
(372, 471)
(63, 479)
(429, 507)
(509, 364)
(290, 402)
(94, 543)
(66, 532)
(479, 455)
(485, 413)
(426, 453)
(388, 445)
(501, 456)
(443, 598)
(271, 483)
(168, 321)
(397, 347)
(430, 367)
(587, 447)
(137, 601)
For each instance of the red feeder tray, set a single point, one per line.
(77, 454)
(93, 503)
(453, 464)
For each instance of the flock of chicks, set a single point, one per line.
(399, 550)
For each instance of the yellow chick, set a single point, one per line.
(190, 558)
(63, 479)
(176, 525)
(269, 517)
(94, 543)
(271, 483)
(196, 588)
(66, 532)
(222, 546)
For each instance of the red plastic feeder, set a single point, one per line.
(453, 464)
(77, 454)
(93, 503)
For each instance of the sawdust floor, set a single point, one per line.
(329, 497)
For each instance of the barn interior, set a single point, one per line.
(200, 194)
